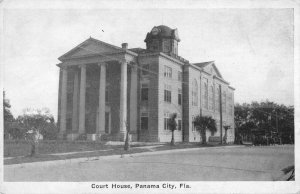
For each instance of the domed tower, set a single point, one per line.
(163, 39)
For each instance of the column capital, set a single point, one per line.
(102, 63)
(123, 61)
(82, 66)
(64, 68)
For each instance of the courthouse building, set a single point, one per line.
(106, 89)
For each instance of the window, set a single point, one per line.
(69, 124)
(179, 125)
(195, 93)
(144, 92)
(193, 124)
(224, 102)
(179, 96)
(217, 104)
(168, 72)
(145, 69)
(179, 76)
(144, 121)
(166, 121)
(211, 98)
(205, 100)
(167, 96)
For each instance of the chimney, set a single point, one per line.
(125, 46)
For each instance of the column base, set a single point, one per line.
(93, 137)
(61, 136)
(121, 136)
(72, 136)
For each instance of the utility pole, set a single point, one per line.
(277, 127)
(221, 120)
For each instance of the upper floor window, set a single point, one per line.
(167, 94)
(168, 72)
(144, 92)
(211, 98)
(179, 76)
(224, 102)
(195, 93)
(179, 96)
(145, 69)
(205, 96)
(217, 99)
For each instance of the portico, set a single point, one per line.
(82, 78)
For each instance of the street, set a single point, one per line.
(208, 164)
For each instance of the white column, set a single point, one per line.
(63, 105)
(102, 85)
(75, 102)
(82, 100)
(133, 99)
(123, 97)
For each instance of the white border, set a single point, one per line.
(199, 187)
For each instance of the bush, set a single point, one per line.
(50, 132)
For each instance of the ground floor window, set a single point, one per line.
(144, 121)
(179, 125)
(166, 121)
(193, 124)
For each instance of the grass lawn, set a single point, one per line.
(17, 152)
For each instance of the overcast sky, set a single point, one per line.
(252, 48)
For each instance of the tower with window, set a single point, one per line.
(163, 39)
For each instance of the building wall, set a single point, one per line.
(151, 106)
(156, 107)
(167, 107)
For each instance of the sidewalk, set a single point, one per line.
(150, 151)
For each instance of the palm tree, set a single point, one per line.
(203, 123)
(226, 127)
(172, 126)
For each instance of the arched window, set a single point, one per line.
(211, 98)
(195, 93)
(217, 99)
(224, 102)
(205, 96)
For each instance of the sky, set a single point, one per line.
(252, 48)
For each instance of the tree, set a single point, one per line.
(38, 123)
(7, 116)
(172, 126)
(226, 127)
(267, 117)
(203, 123)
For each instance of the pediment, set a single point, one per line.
(90, 47)
(212, 69)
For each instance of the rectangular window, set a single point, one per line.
(179, 125)
(144, 121)
(167, 94)
(179, 96)
(193, 124)
(179, 76)
(145, 69)
(166, 121)
(144, 92)
(168, 72)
